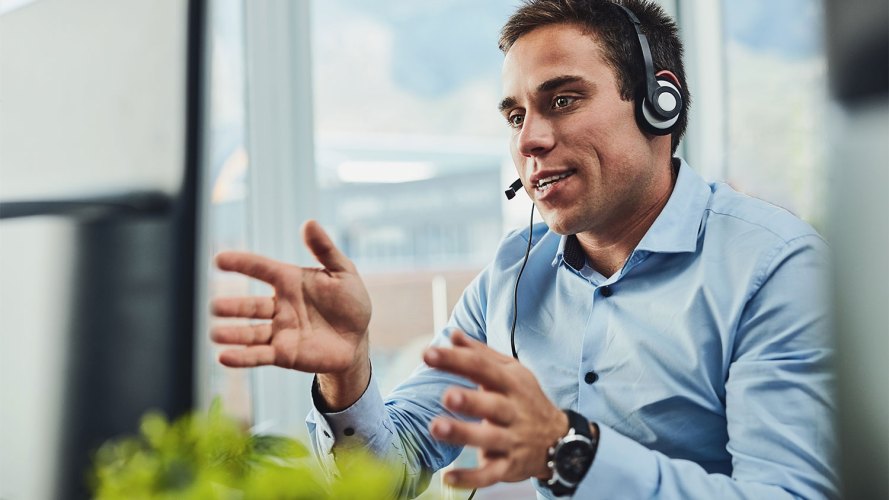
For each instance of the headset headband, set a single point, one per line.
(651, 85)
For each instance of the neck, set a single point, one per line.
(607, 252)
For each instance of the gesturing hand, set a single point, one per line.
(319, 317)
(519, 423)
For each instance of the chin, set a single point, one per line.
(560, 231)
(560, 225)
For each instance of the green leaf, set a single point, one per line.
(154, 429)
(211, 456)
(278, 446)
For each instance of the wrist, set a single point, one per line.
(559, 430)
(340, 390)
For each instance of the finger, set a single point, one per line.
(462, 339)
(253, 265)
(244, 307)
(241, 334)
(494, 471)
(479, 404)
(260, 355)
(322, 247)
(478, 365)
(478, 434)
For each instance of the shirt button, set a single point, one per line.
(591, 377)
(348, 431)
(326, 434)
(606, 291)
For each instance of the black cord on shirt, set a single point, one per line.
(515, 302)
(515, 295)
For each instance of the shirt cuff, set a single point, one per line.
(358, 426)
(622, 468)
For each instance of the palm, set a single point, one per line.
(318, 317)
(319, 320)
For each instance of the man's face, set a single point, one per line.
(575, 143)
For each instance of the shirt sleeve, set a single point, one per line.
(397, 429)
(779, 401)
(361, 426)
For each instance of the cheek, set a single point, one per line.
(611, 135)
(629, 127)
(617, 119)
(518, 160)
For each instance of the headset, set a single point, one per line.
(657, 109)
(658, 102)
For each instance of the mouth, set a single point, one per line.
(546, 183)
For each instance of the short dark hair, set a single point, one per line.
(612, 29)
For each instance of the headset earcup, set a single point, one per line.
(647, 119)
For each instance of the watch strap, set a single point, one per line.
(579, 423)
(560, 490)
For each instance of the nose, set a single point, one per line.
(536, 137)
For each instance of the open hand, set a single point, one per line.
(318, 317)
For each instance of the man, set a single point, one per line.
(672, 334)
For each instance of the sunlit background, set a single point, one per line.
(377, 118)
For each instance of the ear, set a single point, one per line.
(668, 75)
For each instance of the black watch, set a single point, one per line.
(570, 458)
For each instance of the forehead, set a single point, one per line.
(551, 51)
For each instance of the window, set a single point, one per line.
(409, 149)
(776, 90)
(226, 175)
(411, 160)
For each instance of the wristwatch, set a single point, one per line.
(570, 458)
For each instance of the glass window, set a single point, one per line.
(776, 90)
(411, 160)
(409, 149)
(226, 173)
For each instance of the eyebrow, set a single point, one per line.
(547, 86)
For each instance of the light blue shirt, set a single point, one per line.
(711, 356)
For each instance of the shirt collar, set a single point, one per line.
(677, 227)
(675, 230)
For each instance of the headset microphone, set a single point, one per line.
(511, 191)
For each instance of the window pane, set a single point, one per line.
(410, 149)
(776, 90)
(227, 176)
(411, 154)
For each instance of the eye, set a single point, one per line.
(563, 101)
(515, 120)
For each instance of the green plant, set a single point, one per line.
(211, 457)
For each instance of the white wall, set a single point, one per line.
(34, 283)
(91, 96)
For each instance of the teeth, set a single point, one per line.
(543, 183)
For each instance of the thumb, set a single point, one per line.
(322, 247)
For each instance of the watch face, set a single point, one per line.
(572, 460)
